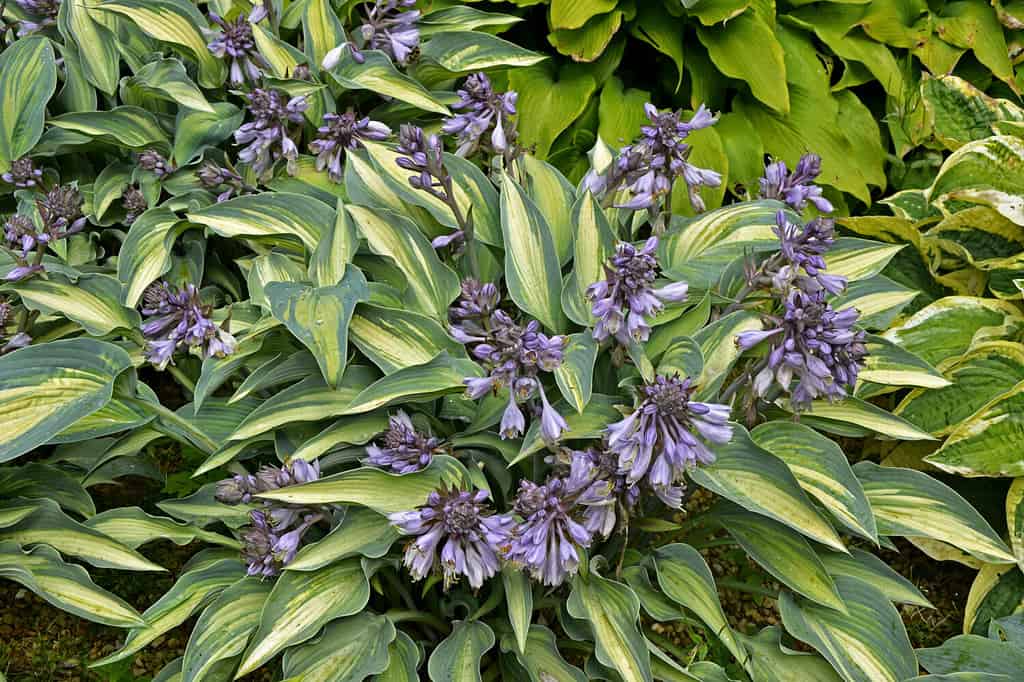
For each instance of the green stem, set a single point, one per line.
(739, 586)
(493, 600)
(183, 379)
(400, 615)
(194, 435)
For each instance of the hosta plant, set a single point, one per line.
(449, 412)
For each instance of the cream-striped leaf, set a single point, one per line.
(857, 259)
(268, 214)
(539, 656)
(130, 127)
(613, 611)
(146, 252)
(82, 26)
(465, 51)
(855, 417)
(377, 74)
(988, 443)
(363, 532)
(575, 376)
(403, 661)
(394, 338)
(321, 30)
(94, 301)
(457, 658)
(868, 568)
(349, 650)
(888, 364)
(221, 632)
(28, 78)
(421, 383)
(168, 80)
(593, 244)
(134, 527)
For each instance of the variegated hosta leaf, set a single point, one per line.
(377, 74)
(593, 244)
(1015, 518)
(870, 569)
(989, 442)
(771, 660)
(363, 532)
(94, 301)
(868, 643)
(167, 79)
(394, 338)
(857, 418)
(355, 430)
(857, 259)
(907, 502)
(540, 658)
(997, 590)
(203, 509)
(987, 658)
(988, 171)
(66, 586)
(717, 343)
(224, 627)
(268, 214)
(129, 127)
(134, 528)
(612, 611)
(348, 650)
(300, 604)
(465, 51)
(28, 77)
(46, 388)
(586, 425)
(421, 383)
(890, 365)
(457, 658)
(519, 604)
(575, 376)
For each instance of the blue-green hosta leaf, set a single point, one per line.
(868, 568)
(782, 552)
(394, 338)
(47, 388)
(539, 656)
(284, 368)
(912, 503)
(685, 578)
(36, 479)
(403, 660)
(682, 357)
(300, 604)
(348, 650)
(420, 383)
(268, 214)
(465, 51)
(754, 479)
(94, 301)
(224, 627)
(519, 604)
(205, 576)
(129, 127)
(82, 26)
(973, 654)
(822, 470)
(363, 532)
(612, 611)
(531, 263)
(197, 130)
(335, 251)
(575, 376)
(771, 660)
(432, 285)
(66, 586)
(377, 74)
(133, 527)
(319, 318)
(375, 488)
(28, 78)
(593, 244)
(178, 22)
(868, 643)
(167, 79)
(457, 658)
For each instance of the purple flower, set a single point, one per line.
(21, 234)
(667, 434)
(803, 247)
(42, 13)
(223, 180)
(267, 134)
(458, 526)
(392, 29)
(23, 173)
(154, 162)
(624, 300)
(177, 318)
(796, 188)
(482, 111)
(61, 211)
(424, 156)
(649, 166)
(813, 345)
(235, 42)
(602, 466)
(134, 203)
(404, 449)
(339, 133)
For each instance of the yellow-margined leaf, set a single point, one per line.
(224, 627)
(94, 301)
(394, 338)
(268, 214)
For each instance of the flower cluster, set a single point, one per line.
(667, 434)
(235, 43)
(813, 345)
(154, 162)
(277, 530)
(23, 173)
(339, 133)
(403, 448)
(796, 188)
(482, 111)
(802, 248)
(42, 13)
(177, 318)
(513, 354)
(390, 27)
(649, 167)
(60, 212)
(18, 339)
(267, 135)
(470, 536)
(625, 298)
(424, 156)
(134, 203)
(225, 181)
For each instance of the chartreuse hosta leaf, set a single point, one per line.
(348, 650)
(66, 586)
(379, 490)
(46, 388)
(539, 656)
(784, 553)
(754, 479)
(988, 443)
(205, 576)
(319, 317)
(593, 244)
(377, 74)
(268, 214)
(685, 578)
(300, 604)
(363, 532)
(28, 77)
(870, 569)
(394, 338)
(134, 527)
(224, 627)
(457, 658)
(912, 503)
(822, 470)
(531, 262)
(612, 610)
(178, 22)
(94, 301)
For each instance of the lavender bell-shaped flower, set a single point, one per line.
(403, 449)
(155, 162)
(341, 132)
(482, 111)
(796, 188)
(666, 435)
(226, 182)
(624, 300)
(267, 135)
(23, 173)
(235, 43)
(391, 27)
(803, 248)
(177, 318)
(60, 211)
(457, 530)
